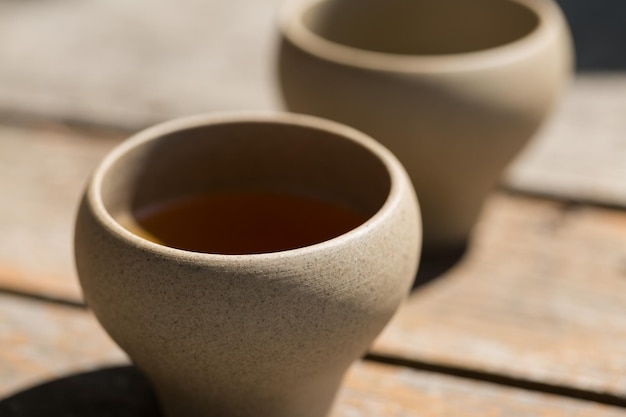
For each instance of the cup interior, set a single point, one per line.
(261, 156)
(420, 27)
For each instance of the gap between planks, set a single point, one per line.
(424, 366)
(498, 379)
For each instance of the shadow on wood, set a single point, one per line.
(434, 265)
(120, 391)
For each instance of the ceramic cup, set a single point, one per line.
(454, 88)
(264, 334)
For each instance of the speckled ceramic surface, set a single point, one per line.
(454, 88)
(247, 335)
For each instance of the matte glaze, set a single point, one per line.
(248, 335)
(454, 88)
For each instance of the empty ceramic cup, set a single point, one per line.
(454, 88)
(251, 331)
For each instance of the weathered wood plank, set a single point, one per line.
(40, 341)
(581, 153)
(373, 389)
(42, 175)
(541, 296)
(134, 63)
(44, 341)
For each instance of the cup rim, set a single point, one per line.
(292, 28)
(397, 176)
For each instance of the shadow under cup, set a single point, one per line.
(254, 157)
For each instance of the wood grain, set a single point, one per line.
(44, 342)
(131, 64)
(580, 154)
(42, 175)
(540, 296)
(373, 389)
(41, 341)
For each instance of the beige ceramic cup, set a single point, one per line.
(267, 334)
(454, 88)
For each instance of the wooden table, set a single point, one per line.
(530, 322)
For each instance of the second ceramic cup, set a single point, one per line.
(455, 88)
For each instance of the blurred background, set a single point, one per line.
(599, 31)
(130, 64)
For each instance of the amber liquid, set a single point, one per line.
(244, 222)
